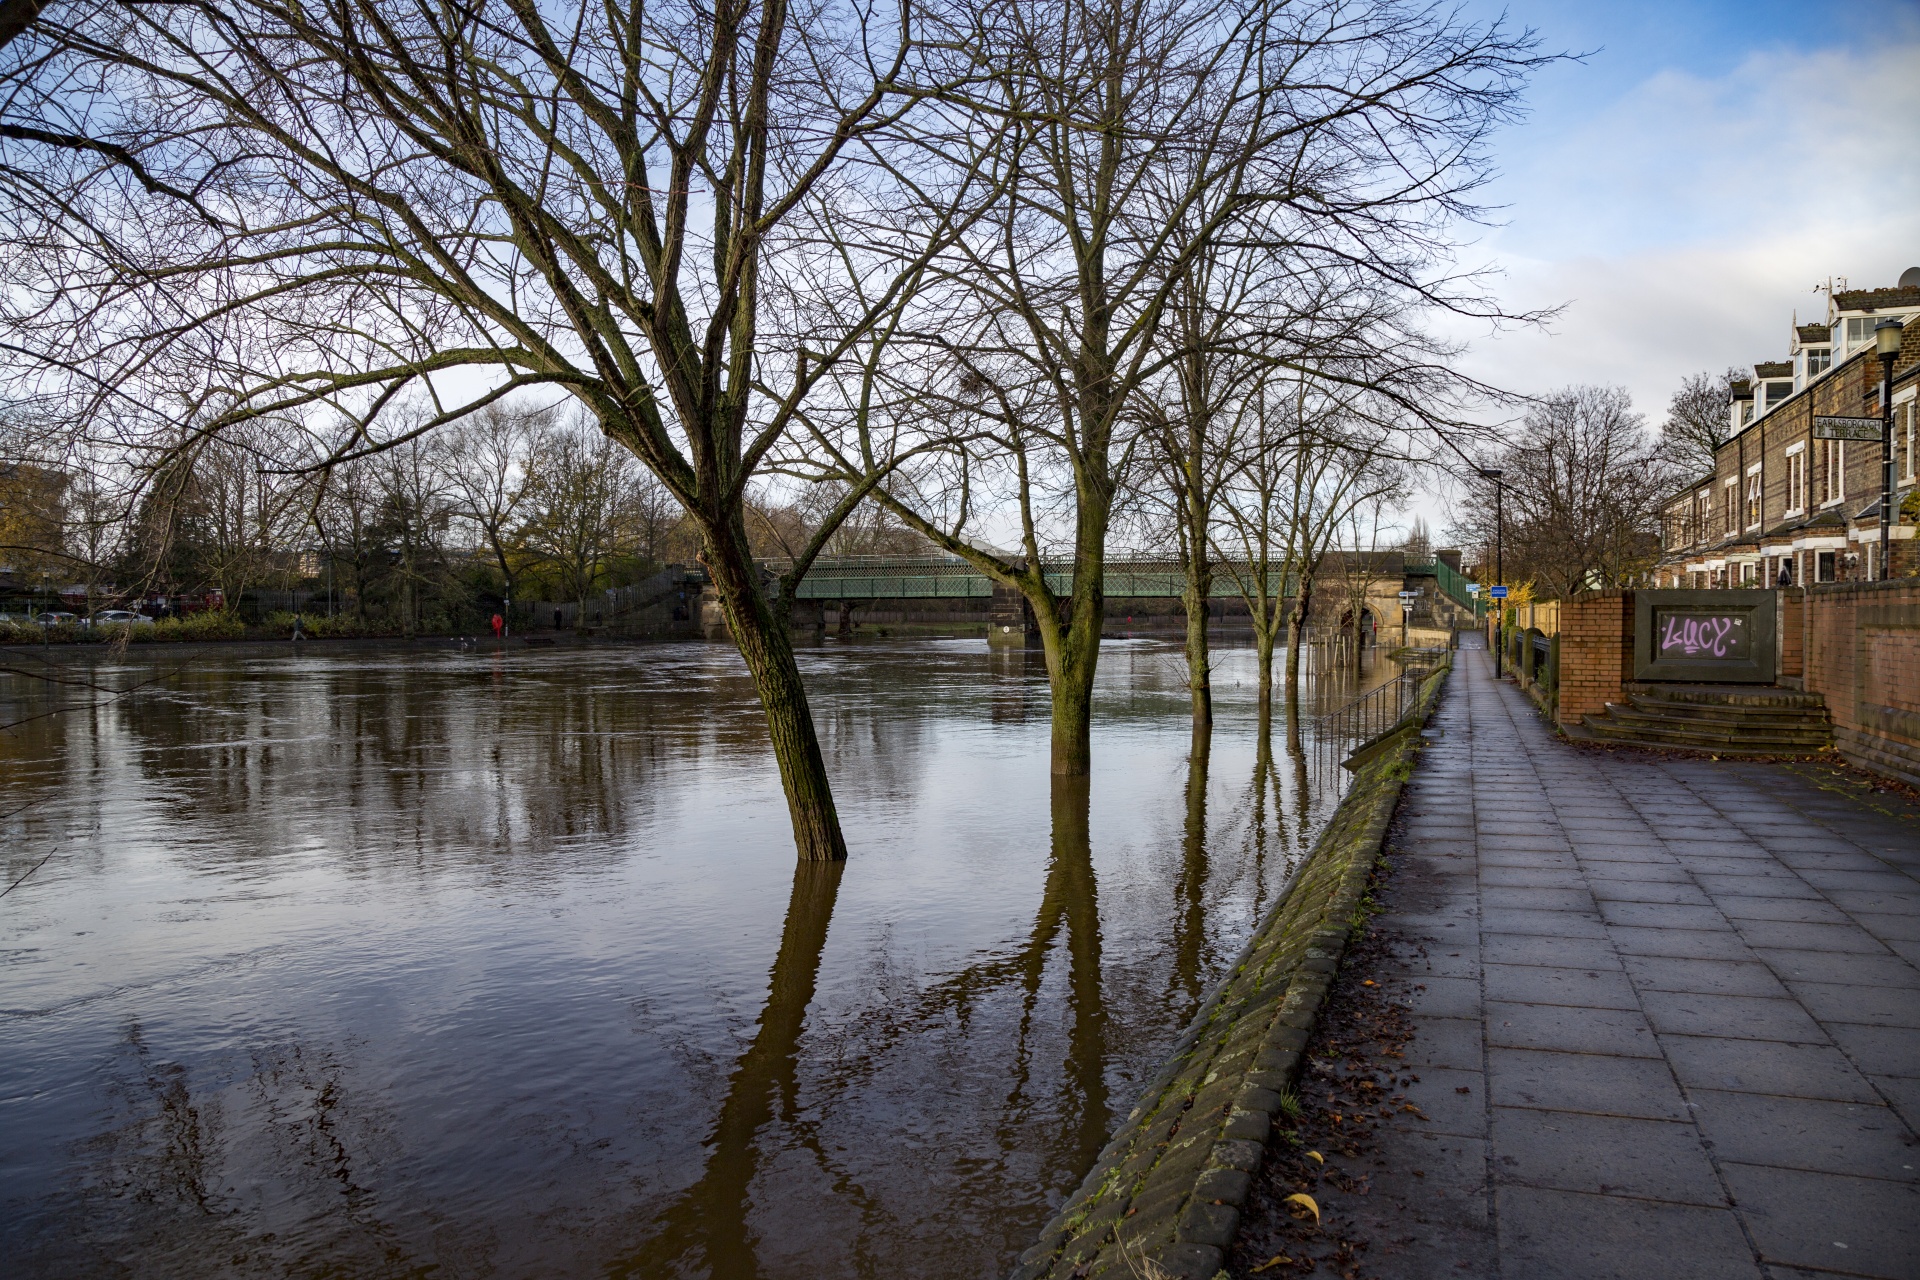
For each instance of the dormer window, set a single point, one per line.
(1858, 331)
(1774, 393)
(1819, 360)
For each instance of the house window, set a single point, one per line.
(1796, 480)
(1775, 392)
(1729, 504)
(1753, 497)
(1913, 411)
(1704, 521)
(1824, 570)
(1819, 360)
(1834, 461)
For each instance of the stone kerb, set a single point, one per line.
(1168, 1187)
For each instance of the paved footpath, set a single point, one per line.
(1670, 1016)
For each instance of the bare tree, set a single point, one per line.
(1143, 136)
(580, 508)
(581, 197)
(1310, 466)
(487, 460)
(1698, 420)
(1583, 494)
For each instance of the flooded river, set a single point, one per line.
(382, 963)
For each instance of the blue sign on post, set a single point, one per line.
(1499, 593)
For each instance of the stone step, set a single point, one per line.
(1725, 695)
(1723, 734)
(1702, 714)
(1786, 742)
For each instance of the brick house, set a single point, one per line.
(1780, 503)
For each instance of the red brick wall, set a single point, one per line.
(1791, 629)
(1863, 655)
(1596, 652)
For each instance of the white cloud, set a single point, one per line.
(1684, 224)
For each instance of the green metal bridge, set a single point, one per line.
(938, 578)
(949, 578)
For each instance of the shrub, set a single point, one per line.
(211, 625)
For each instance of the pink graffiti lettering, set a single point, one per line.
(1697, 636)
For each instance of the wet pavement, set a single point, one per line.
(1665, 1014)
(373, 962)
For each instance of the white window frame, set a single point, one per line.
(1796, 477)
(1912, 407)
(1834, 488)
(1756, 497)
(1730, 495)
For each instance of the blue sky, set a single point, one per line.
(1684, 188)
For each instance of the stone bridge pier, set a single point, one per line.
(1010, 620)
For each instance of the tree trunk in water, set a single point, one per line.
(1263, 655)
(1072, 692)
(1296, 639)
(1296, 634)
(1196, 596)
(768, 650)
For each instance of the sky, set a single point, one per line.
(1682, 189)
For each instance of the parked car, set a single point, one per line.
(127, 616)
(56, 618)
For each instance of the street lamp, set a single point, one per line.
(1499, 558)
(1886, 342)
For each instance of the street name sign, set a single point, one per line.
(1836, 428)
(1499, 593)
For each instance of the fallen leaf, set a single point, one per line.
(1276, 1260)
(1315, 1155)
(1301, 1198)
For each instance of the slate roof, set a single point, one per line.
(1874, 299)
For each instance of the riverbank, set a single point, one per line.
(1169, 1185)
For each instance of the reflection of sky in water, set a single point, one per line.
(362, 963)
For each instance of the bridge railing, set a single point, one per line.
(901, 577)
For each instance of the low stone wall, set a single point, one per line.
(1169, 1185)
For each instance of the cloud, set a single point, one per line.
(1683, 223)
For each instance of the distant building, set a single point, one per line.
(1780, 501)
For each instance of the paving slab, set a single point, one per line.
(1680, 1033)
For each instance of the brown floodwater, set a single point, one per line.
(388, 963)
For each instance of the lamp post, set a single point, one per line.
(1886, 342)
(1499, 558)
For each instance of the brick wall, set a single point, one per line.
(1791, 629)
(1596, 652)
(1863, 655)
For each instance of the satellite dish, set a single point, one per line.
(1910, 278)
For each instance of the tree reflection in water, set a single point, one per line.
(476, 964)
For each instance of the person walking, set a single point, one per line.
(499, 626)
(556, 619)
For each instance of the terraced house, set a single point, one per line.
(1785, 504)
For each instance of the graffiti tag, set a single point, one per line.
(1711, 636)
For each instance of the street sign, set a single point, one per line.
(1499, 593)
(1837, 428)
(1473, 588)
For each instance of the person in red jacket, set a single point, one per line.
(499, 626)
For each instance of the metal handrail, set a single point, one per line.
(1377, 711)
